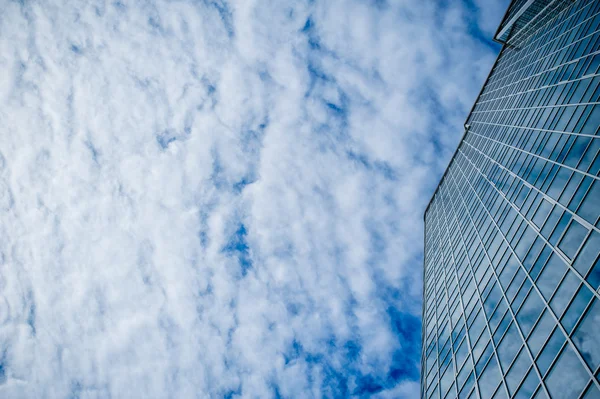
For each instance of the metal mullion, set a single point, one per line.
(509, 302)
(487, 325)
(544, 195)
(537, 156)
(549, 309)
(464, 316)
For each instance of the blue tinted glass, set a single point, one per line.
(517, 371)
(539, 334)
(463, 375)
(489, 380)
(467, 387)
(592, 392)
(560, 228)
(542, 212)
(447, 380)
(535, 250)
(580, 193)
(553, 271)
(550, 351)
(510, 345)
(588, 254)
(587, 336)
(593, 121)
(551, 222)
(568, 378)
(576, 308)
(461, 353)
(485, 356)
(529, 386)
(540, 394)
(590, 207)
(541, 261)
(530, 311)
(594, 275)
(572, 239)
(565, 292)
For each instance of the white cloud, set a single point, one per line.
(202, 199)
(490, 14)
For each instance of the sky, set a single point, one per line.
(224, 199)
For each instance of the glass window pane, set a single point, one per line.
(517, 371)
(587, 336)
(510, 345)
(592, 392)
(560, 228)
(572, 239)
(468, 386)
(568, 377)
(540, 333)
(433, 392)
(451, 394)
(588, 254)
(590, 207)
(447, 380)
(489, 379)
(529, 386)
(540, 394)
(529, 313)
(539, 263)
(565, 292)
(594, 276)
(461, 353)
(542, 212)
(498, 314)
(576, 308)
(551, 275)
(463, 375)
(550, 351)
(500, 393)
(485, 356)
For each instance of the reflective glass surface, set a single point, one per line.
(512, 234)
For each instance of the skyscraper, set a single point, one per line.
(511, 271)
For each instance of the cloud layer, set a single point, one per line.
(211, 199)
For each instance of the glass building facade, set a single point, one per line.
(511, 270)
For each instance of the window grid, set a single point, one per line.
(512, 234)
(512, 313)
(568, 340)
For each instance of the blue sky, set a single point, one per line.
(224, 199)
